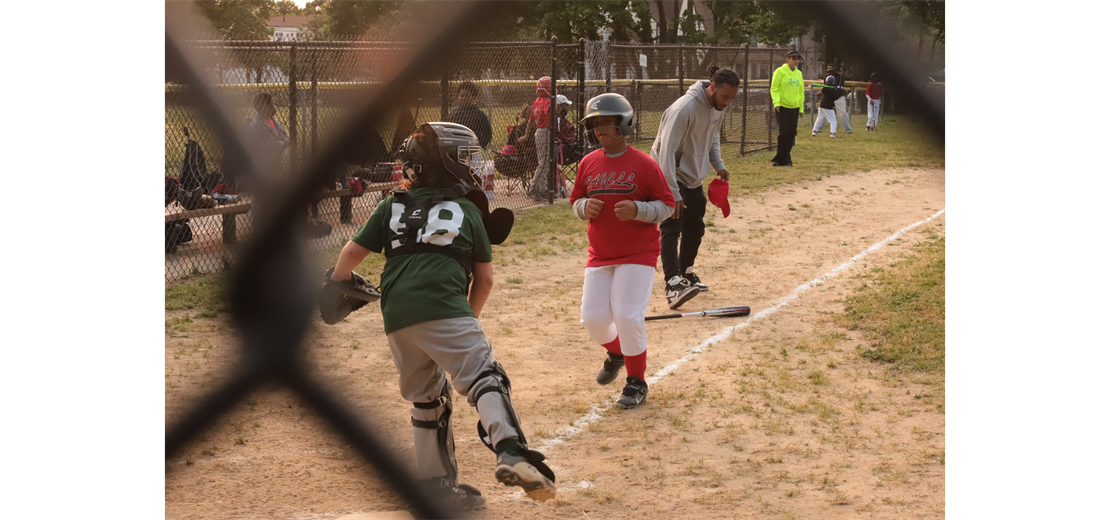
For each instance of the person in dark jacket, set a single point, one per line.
(827, 110)
(469, 115)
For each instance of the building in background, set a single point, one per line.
(289, 27)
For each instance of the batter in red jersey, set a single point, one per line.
(622, 193)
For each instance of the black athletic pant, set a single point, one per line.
(691, 225)
(788, 130)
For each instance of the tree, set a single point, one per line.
(346, 19)
(284, 7)
(239, 19)
(626, 20)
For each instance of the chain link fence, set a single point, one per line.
(489, 87)
(323, 95)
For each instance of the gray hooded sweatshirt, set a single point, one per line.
(688, 145)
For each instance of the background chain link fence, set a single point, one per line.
(270, 291)
(315, 85)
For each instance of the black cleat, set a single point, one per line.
(635, 391)
(611, 369)
(515, 470)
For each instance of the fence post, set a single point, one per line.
(293, 156)
(444, 96)
(551, 120)
(609, 66)
(681, 72)
(744, 115)
(581, 84)
(638, 89)
(315, 101)
(770, 80)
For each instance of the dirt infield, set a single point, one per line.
(781, 420)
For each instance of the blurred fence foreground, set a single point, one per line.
(341, 109)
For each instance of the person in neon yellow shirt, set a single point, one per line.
(788, 96)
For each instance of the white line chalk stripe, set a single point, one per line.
(597, 409)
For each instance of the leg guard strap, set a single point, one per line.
(444, 439)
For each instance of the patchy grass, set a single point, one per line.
(204, 294)
(901, 142)
(900, 310)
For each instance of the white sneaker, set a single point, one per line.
(694, 280)
(679, 291)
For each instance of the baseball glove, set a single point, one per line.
(338, 299)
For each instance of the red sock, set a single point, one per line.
(614, 346)
(636, 365)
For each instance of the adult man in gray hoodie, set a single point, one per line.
(687, 147)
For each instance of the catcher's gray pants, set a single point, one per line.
(457, 346)
(538, 188)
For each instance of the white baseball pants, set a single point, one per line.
(614, 302)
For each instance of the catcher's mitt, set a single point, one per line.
(338, 299)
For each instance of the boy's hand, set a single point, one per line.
(593, 208)
(625, 210)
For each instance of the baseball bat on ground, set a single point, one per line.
(724, 312)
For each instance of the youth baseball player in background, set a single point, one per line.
(687, 148)
(539, 119)
(621, 192)
(434, 240)
(826, 111)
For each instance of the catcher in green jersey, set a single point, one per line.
(436, 233)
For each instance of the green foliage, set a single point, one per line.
(570, 20)
(901, 312)
(765, 22)
(352, 19)
(286, 7)
(239, 19)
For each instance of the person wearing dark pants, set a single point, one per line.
(688, 148)
(788, 130)
(788, 97)
(691, 227)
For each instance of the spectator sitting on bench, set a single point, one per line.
(268, 134)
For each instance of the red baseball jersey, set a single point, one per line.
(635, 176)
(541, 112)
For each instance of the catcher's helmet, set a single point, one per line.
(609, 105)
(450, 146)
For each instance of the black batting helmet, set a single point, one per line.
(449, 146)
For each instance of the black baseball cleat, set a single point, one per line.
(515, 470)
(635, 391)
(453, 495)
(694, 280)
(679, 291)
(611, 369)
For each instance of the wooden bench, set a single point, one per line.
(243, 205)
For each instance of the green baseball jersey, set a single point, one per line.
(788, 88)
(423, 287)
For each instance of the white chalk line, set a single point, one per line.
(597, 409)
